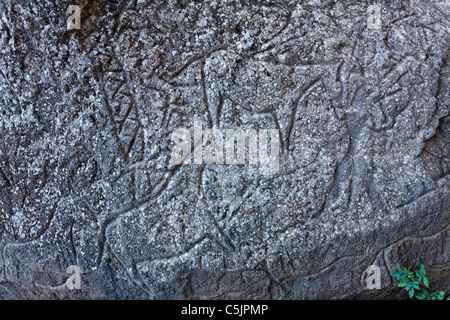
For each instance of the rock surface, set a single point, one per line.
(86, 121)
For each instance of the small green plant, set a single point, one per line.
(416, 283)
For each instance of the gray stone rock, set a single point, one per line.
(87, 176)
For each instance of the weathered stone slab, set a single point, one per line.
(357, 98)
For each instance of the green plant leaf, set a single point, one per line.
(422, 270)
(420, 296)
(440, 295)
(426, 294)
(411, 293)
(425, 282)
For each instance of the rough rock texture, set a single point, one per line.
(86, 177)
